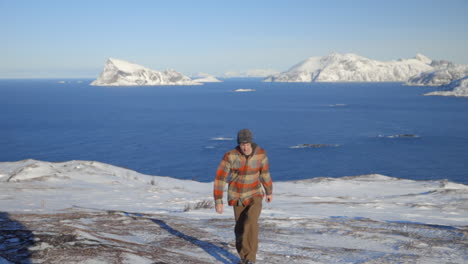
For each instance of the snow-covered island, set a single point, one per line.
(443, 73)
(123, 73)
(450, 77)
(91, 212)
(458, 88)
(206, 78)
(244, 90)
(338, 67)
(420, 70)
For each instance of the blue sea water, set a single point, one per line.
(175, 130)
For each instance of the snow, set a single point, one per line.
(123, 73)
(250, 73)
(244, 90)
(458, 88)
(131, 258)
(348, 67)
(443, 74)
(423, 58)
(367, 218)
(207, 79)
(451, 79)
(222, 138)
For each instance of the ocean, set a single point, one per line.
(308, 129)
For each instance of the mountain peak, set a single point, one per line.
(423, 58)
(335, 54)
(335, 57)
(119, 72)
(124, 65)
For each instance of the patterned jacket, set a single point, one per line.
(248, 175)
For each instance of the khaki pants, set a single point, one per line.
(246, 229)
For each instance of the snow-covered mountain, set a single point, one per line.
(250, 73)
(457, 88)
(337, 67)
(123, 73)
(443, 73)
(451, 78)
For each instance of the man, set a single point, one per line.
(249, 169)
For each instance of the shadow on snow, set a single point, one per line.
(15, 241)
(220, 254)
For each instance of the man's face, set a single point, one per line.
(246, 148)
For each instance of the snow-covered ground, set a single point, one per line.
(118, 72)
(90, 212)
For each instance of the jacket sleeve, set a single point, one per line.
(221, 177)
(265, 176)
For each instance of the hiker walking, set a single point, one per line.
(250, 181)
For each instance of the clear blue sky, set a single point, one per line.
(74, 38)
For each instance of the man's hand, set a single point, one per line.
(269, 198)
(219, 208)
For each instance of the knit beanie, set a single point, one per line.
(244, 136)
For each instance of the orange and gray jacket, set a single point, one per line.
(248, 175)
